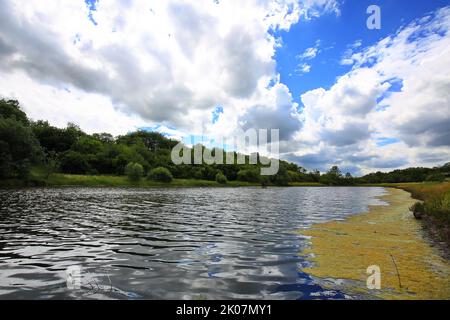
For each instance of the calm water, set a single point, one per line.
(166, 243)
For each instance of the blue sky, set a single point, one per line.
(336, 34)
(92, 6)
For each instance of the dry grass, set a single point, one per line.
(426, 191)
(436, 200)
(436, 203)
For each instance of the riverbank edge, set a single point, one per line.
(387, 236)
(38, 179)
(62, 180)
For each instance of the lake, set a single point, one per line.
(187, 243)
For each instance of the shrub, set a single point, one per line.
(51, 163)
(220, 178)
(418, 210)
(160, 174)
(436, 177)
(265, 180)
(281, 178)
(19, 149)
(249, 175)
(74, 163)
(23, 169)
(134, 171)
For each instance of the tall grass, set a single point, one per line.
(37, 178)
(436, 206)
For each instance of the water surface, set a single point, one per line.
(193, 243)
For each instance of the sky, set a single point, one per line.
(339, 92)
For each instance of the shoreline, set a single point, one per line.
(386, 236)
(66, 180)
(111, 181)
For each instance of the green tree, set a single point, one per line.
(282, 178)
(134, 171)
(295, 176)
(51, 163)
(332, 177)
(160, 174)
(265, 180)
(87, 145)
(153, 141)
(220, 178)
(249, 175)
(103, 137)
(335, 171)
(74, 163)
(55, 139)
(18, 148)
(10, 109)
(348, 180)
(436, 177)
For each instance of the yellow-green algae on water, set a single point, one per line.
(386, 236)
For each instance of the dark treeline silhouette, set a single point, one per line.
(437, 174)
(25, 144)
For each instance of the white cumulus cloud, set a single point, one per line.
(398, 88)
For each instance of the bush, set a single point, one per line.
(265, 180)
(281, 178)
(220, 178)
(436, 177)
(134, 171)
(418, 209)
(249, 175)
(160, 174)
(74, 163)
(23, 169)
(19, 149)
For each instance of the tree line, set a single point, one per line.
(25, 144)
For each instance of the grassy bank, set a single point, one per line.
(38, 178)
(436, 207)
(122, 181)
(57, 180)
(386, 236)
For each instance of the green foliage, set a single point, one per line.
(301, 175)
(220, 178)
(103, 137)
(408, 175)
(134, 171)
(282, 178)
(439, 208)
(265, 180)
(10, 109)
(249, 175)
(418, 210)
(54, 139)
(74, 162)
(87, 145)
(51, 163)
(152, 141)
(18, 146)
(333, 177)
(70, 150)
(160, 174)
(23, 169)
(435, 177)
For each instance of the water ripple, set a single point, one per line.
(165, 243)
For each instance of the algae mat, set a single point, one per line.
(388, 237)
